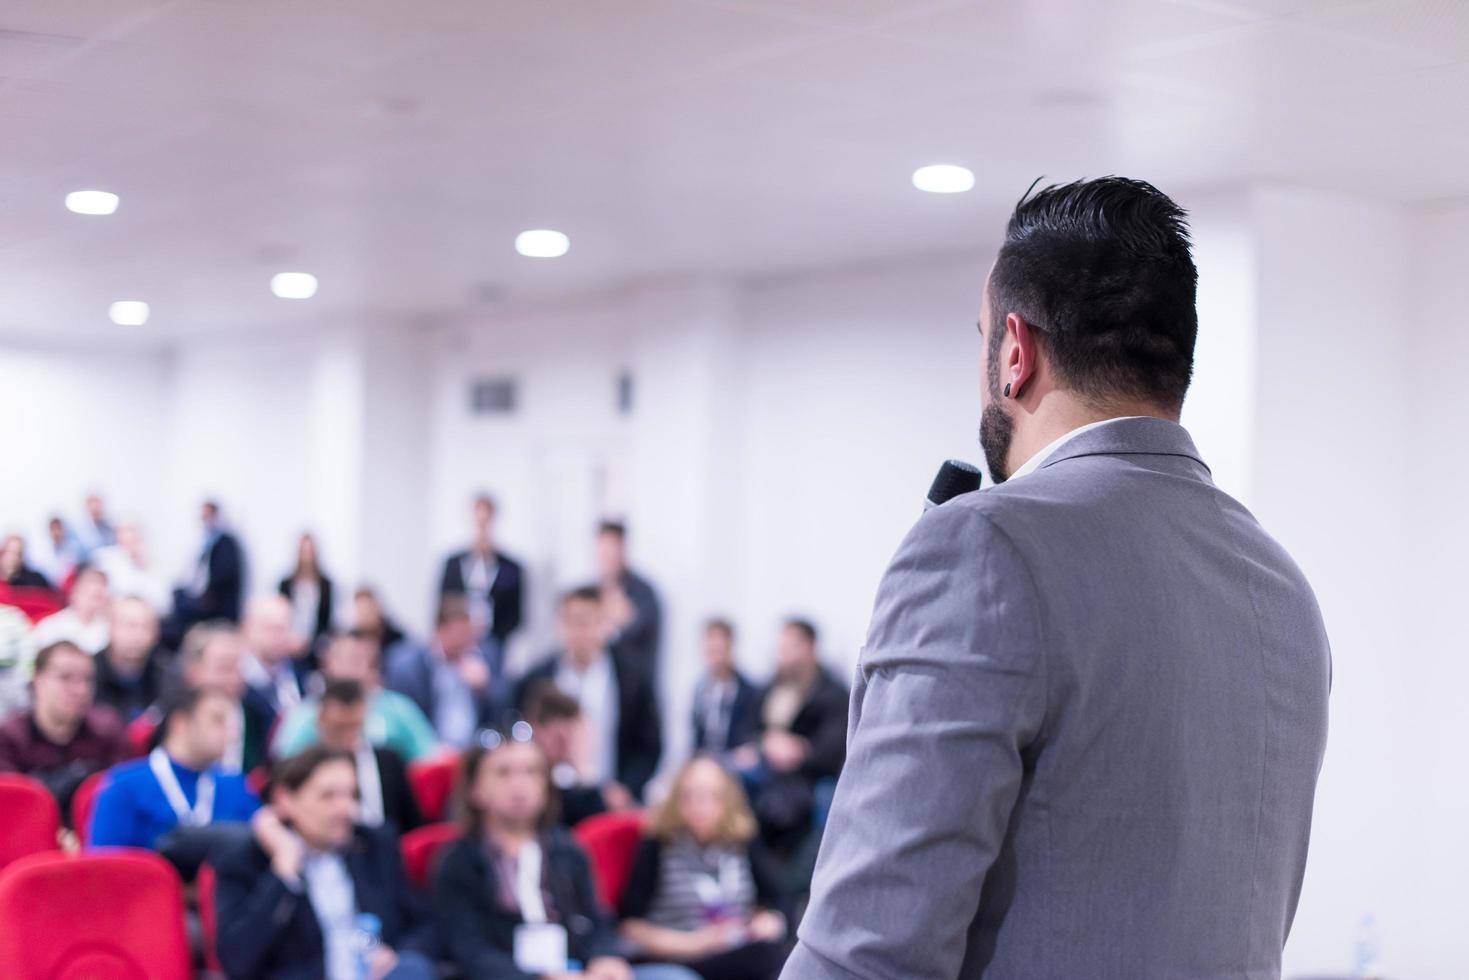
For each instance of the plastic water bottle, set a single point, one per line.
(366, 938)
(1366, 958)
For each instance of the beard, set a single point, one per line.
(996, 430)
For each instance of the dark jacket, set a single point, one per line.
(410, 671)
(480, 933)
(638, 641)
(506, 591)
(400, 806)
(223, 583)
(744, 722)
(267, 929)
(323, 603)
(639, 728)
(98, 744)
(822, 721)
(130, 697)
(26, 577)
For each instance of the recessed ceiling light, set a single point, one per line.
(128, 312)
(91, 202)
(542, 243)
(943, 178)
(293, 285)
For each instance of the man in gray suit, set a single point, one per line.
(1091, 710)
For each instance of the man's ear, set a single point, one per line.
(1020, 367)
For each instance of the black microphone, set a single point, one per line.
(954, 477)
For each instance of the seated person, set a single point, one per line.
(385, 795)
(453, 679)
(515, 895)
(180, 784)
(13, 568)
(372, 620)
(211, 657)
(392, 719)
(616, 695)
(84, 621)
(130, 669)
(561, 732)
(724, 701)
(63, 738)
(312, 895)
(700, 892)
(272, 674)
(802, 739)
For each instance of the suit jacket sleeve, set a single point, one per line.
(950, 697)
(829, 740)
(508, 598)
(254, 908)
(452, 578)
(222, 597)
(640, 739)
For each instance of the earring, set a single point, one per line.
(1007, 389)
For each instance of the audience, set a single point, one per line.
(180, 784)
(84, 621)
(63, 737)
(560, 730)
(701, 892)
(393, 720)
(724, 700)
(616, 697)
(631, 603)
(370, 619)
(312, 894)
(309, 591)
(273, 683)
(13, 568)
(491, 580)
(215, 590)
(131, 668)
(454, 681)
(802, 739)
(128, 572)
(385, 794)
(211, 658)
(94, 530)
(515, 895)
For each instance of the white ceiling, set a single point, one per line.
(394, 149)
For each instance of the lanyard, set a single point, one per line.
(202, 811)
(528, 884)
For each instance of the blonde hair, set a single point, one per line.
(737, 826)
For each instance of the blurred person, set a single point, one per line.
(128, 571)
(488, 578)
(724, 699)
(13, 568)
(130, 669)
(272, 675)
(802, 731)
(309, 590)
(215, 588)
(393, 719)
(211, 658)
(94, 530)
(454, 681)
(701, 892)
(58, 553)
(63, 737)
(515, 894)
(370, 618)
(560, 730)
(16, 657)
(84, 621)
(616, 696)
(292, 897)
(630, 603)
(180, 783)
(385, 795)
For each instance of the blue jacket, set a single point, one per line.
(133, 812)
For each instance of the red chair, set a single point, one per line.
(611, 841)
(208, 917)
(117, 915)
(84, 803)
(420, 847)
(35, 602)
(140, 732)
(433, 782)
(32, 819)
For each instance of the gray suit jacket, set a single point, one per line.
(1084, 738)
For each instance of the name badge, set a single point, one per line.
(541, 948)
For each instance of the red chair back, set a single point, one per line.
(32, 819)
(422, 846)
(83, 803)
(140, 732)
(208, 917)
(117, 915)
(36, 603)
(611, 841)
(433, 782)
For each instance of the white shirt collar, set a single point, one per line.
(1034, 463)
